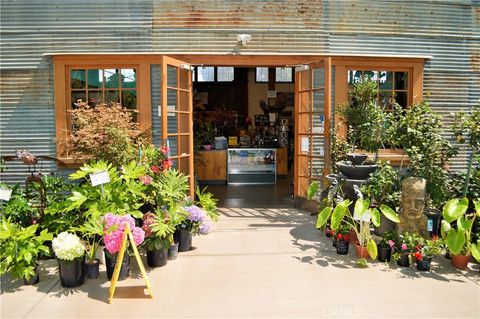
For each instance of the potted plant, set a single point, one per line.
(158, 237)
(194, 223)
(20, 249)
(459, 237)
(385, 246)
(426, 249)
(69, 251)
(342, 239)
(114, 226)
(92, 231)
(403, 249)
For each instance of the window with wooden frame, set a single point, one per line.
(282, 75)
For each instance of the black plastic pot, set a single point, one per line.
(111, 261)
(92, 268)
(33, 279)
(184, 238)
(424, 264)
(157, 258)
(384, 254)
(342, 247)
(173, 251)
(334, 242)
(403, 261)
(72, 272)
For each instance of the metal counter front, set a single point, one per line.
(251, 166)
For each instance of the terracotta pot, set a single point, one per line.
(353, 237)
(362, 251)
(460, 261)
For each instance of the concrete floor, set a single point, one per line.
(258, 263)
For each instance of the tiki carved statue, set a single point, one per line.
(412, 218)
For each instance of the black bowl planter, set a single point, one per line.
(111, 261)
(157, 257)
(424, 264)
(92, 268)
(72, 272)
(356, 172)
(33, 279)
(403, 261)
(356, 159)
(384, 254)
(342, 247)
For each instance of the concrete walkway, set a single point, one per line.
(258, 263)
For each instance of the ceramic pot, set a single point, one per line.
(460, 261)
(72, 272)
(361, 251)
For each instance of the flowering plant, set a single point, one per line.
(342, 233)
(195, 220)
(114, 226)
(404, 245)
(159, 229)
(388, 240)
(428, 248)
(67, 246)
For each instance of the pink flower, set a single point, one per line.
(165, 150)
(167, 164)
(146, 180)
(113, 239)
(404, 246)
(391, 243)
(155, 169)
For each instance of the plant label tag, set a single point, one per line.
(99, 178)
(5, 194)
(430, 225)
(365, 217)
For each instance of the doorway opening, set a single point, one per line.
(244, 134)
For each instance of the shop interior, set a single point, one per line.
(244, 134)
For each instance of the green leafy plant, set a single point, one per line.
(20, 248)
(418, 132)
(91, 232)
(208, 203)
(459, 238)
(428, 248)
(404, 245)
(388, 240)
(383, 187)
(19, 209)
(159, 228)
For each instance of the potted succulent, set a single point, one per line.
(69, 251)
(20, 249)
(385, 246)
(426, 249)
(459, 237)
(114, 227)
(403, 249)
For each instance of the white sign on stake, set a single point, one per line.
(5, 194)
(99, 178)
(365, 217)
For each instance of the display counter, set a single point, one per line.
(251, 166)
(211, 166)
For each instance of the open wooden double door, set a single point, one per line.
(312, 119)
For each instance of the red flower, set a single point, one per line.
(332, 232)
(166, 164)
(155, 169)
(346, 237)
(419, 256)
(339, 236)
(165, 150)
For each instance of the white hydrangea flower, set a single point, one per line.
(68, 246)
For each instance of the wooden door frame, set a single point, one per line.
(341, 63)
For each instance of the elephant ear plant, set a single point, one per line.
(459, 238)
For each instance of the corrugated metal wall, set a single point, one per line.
(447, 30)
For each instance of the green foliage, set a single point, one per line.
(457, 225)
(372, 249)
(383, 187)
(208, 203)
(20, 248)
(338, 151)
(418, 132)
(19, 209)
(92, 231)
(312, 190)
(172, 188)
(159, 228)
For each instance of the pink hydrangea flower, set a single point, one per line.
(113, 239)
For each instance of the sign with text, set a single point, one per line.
(99, 178)
(5, 194)
(271, 94)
